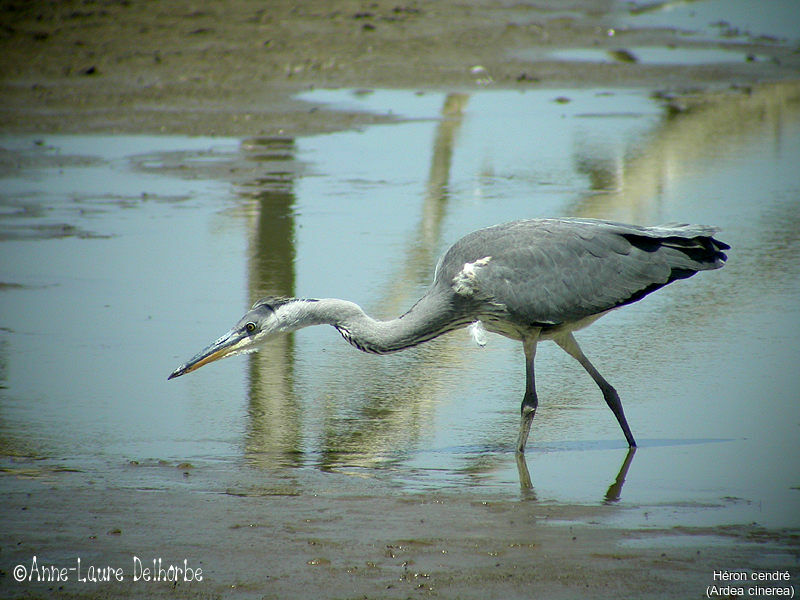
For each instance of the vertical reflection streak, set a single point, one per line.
(391, 417)
(275, 424)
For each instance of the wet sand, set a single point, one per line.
(199, 69)
(303, 540)
(194, 68)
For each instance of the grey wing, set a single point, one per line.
(547, 272)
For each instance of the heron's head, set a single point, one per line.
(267, 317)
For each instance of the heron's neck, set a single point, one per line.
(427, 319)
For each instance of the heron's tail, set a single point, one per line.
(687, 248)
(704, 252)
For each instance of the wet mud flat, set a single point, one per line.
(177, 67)
(334, 528)
(297, 540)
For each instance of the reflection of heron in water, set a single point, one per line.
(532, 280)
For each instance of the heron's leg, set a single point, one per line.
(570, 345)
(529, 401)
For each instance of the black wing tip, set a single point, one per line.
(720, 246)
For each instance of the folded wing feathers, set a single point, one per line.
(554, 271)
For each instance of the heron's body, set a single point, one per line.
(528, 280)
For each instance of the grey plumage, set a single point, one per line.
(529, 280)
(553, 271)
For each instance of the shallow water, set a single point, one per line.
(120, 257)
(730, 19)
(648, 55)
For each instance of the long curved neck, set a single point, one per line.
(432, 316)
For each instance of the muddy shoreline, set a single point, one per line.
(297, 538)
(201, 69)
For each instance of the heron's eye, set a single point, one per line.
(250, 327)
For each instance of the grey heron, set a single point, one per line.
(529, 280)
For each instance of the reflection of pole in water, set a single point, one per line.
(274, 414)
(627, 184)
(275, 427)
(422, 250)
(437, 194)
(391, 417)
